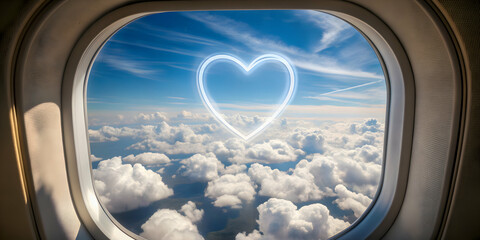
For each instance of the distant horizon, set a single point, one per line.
(138, 54)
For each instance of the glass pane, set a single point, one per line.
(236, 124)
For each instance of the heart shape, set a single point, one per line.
(208, 102)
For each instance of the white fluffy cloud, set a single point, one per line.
(189, 116)
(318, 175)
(341, 159)
(279, 184)
(347, 199)
(279, 219)
(234, 169)
(168, 148)
(231, 190)
(308, 141)
(93, 158)
(148, 158)
(162, 132)
(108, 133)
(167, 224)
(163, 137)
(352, 155)
(254, 235)
(341, 168)
(202, 167)
(191, 212)
(271, 151)
(344, 135)
(180, 133)
(242, 122)
(123, 187)
(227, 149)
(370, 125)
(145, 117)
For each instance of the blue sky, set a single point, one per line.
(143, 106)
(151, 64)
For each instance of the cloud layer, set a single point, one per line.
(231, 190)
(341, 160)
(148, 159)
(167, 224)
(122, 187)
(201, 167)
(281, 220)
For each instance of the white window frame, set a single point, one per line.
(398, 128)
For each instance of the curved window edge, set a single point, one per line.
(381, 213)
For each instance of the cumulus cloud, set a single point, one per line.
(186, 115)
(231, 190)
(271, 151)
(351, 155)
(162, 146)
(369, 125)
(180, 133)
(227, 149)
(191, 212)
(362, 177)
(308, 141)
(280, 219)
(207, 128)
(108, 133)
(347, 199)
(234, 169)
(171, 139)
(279, 184)
(145, 117)
(242, 122)
(122, 187)
(97, 136)
(202, 167)
(358, 168)
(168, 224)
(344, 135)
(369, 154)
(334, 156)
(93, 158)
(148, 158)
(254, 235)
(162, 132)
(341, 168)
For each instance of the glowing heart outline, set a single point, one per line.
(266, 57)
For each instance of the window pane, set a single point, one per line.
(236, 124)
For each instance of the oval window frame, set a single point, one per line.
(384, 208)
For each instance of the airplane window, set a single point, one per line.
(265, 124)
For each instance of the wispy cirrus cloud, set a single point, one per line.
(174, 36)
(142, 67)
(335, 70)
(348, 88)
(131, 66)
(371, 110)
(350, 96)
(177, 98)
(334, 29)
(244, 34)
(156, 48)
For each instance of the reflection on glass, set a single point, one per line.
(166, 168)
